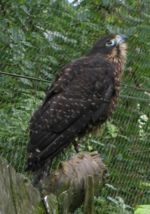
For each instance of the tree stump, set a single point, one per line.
(76, 181)
(17, 195)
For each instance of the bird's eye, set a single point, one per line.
(110, 43)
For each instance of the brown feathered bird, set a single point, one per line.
(84, 94)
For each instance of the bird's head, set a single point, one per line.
(113, 47)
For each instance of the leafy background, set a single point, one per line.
(36, 39)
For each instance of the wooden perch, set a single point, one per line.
(76, 181)
(17, 195)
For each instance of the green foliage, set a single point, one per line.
(37, 38)
(109, 206)
(143, 209)
(113, 205)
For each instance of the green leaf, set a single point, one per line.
(143, 209)
(112, 130)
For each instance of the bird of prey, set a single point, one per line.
(84, 94)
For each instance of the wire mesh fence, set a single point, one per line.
(37, 39)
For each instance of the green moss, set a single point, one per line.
(40, 209)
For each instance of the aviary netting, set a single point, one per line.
(37, 38)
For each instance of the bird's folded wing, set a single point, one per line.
(70, 107)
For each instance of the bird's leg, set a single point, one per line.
(47, 167)
(41, 173)
(37, 177)
(76, 146)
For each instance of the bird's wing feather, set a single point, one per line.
(78, 97)
(63, 79)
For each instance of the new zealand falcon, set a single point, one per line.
(84, 94)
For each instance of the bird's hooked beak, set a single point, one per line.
(120, 39)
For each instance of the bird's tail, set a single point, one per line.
(41, 173)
